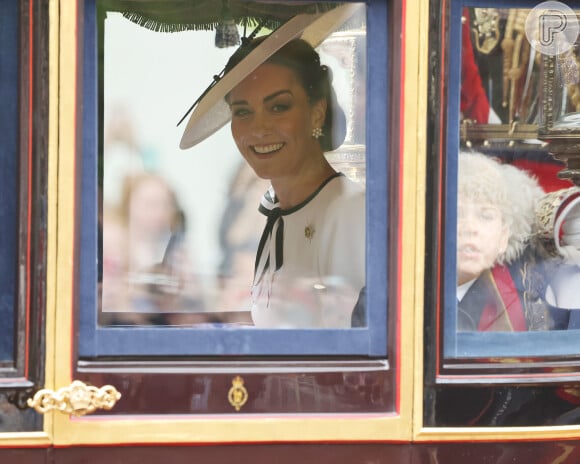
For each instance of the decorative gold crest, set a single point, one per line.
(237, 395)
(309, 232)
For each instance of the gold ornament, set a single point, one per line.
(77, 399)
(237, 395)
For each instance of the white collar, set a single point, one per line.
(462, 289)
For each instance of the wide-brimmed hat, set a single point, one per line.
(212, 112)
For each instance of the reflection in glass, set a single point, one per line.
(500, 71)
(181, 229)
(561, 74)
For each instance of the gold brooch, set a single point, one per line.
(309, 232)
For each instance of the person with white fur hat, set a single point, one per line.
(515, 262)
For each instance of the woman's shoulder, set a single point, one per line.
(338, 192)
(345, 192)
(344, 205)
(340, 187)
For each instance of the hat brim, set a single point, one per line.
(212, 112)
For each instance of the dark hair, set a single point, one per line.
(316, 79)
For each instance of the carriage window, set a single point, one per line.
(505, 308)
(22, 210)
(9, 181)
(181, 228)
(217, 227)
(516, 200)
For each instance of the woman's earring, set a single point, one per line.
(317, 132)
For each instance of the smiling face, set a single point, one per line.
(481, 237)
(272, 122)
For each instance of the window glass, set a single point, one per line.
(22, 175)
(9, 27)
(181, 228)
(513, 195)
(176, 232)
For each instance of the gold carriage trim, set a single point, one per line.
(77, 399)
(237, 394)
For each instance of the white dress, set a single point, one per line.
(310, 265)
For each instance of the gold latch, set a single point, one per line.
(77, 399)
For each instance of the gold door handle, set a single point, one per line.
(77, 399)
